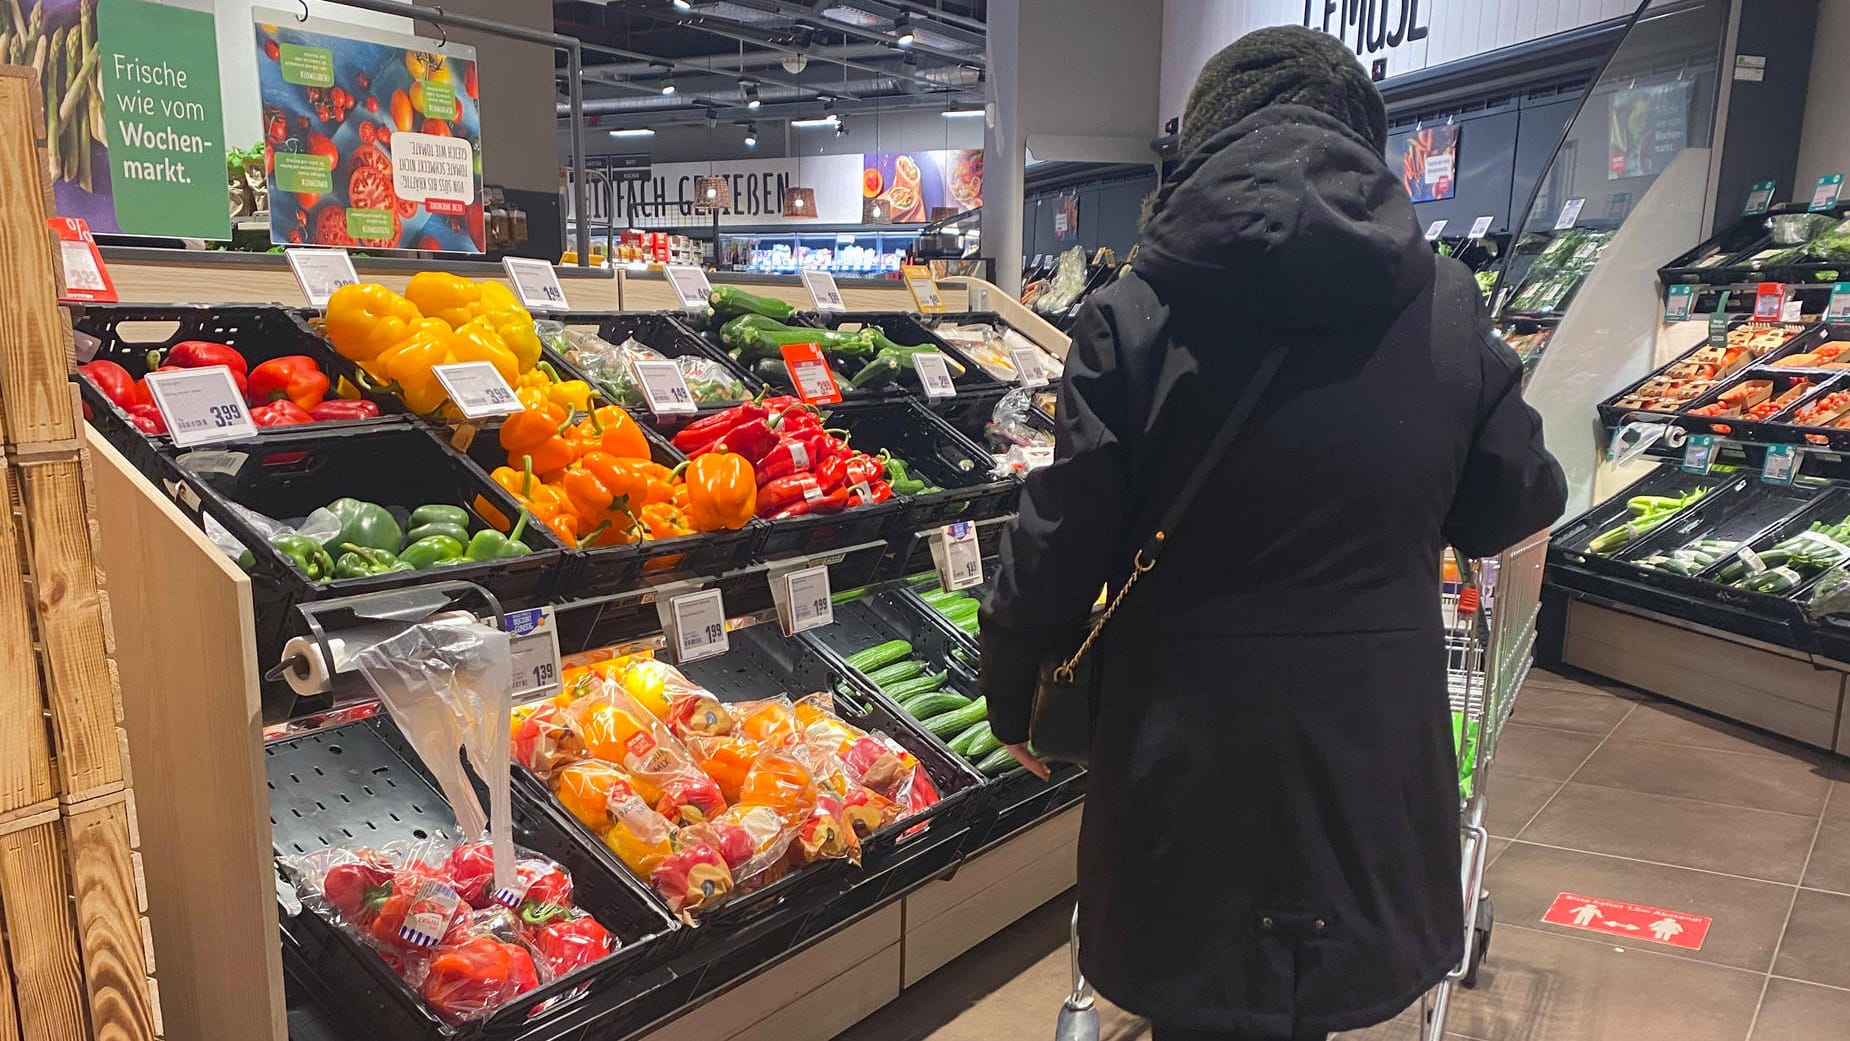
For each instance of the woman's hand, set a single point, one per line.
(1029, 760)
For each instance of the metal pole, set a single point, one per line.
(581, 196)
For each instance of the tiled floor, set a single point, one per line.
(1597, 791)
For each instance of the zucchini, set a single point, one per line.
(933, 702)
(899, 670)
(962, 742)
(875, 373)
(997, 762)
(733, 333)
(731, 300)
(984, 742)
(867, 659)
(950, 724)
(910, 688)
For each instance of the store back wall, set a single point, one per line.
(1824, 145)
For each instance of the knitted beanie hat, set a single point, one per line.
(1286, 64)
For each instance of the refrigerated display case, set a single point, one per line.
(858, 253)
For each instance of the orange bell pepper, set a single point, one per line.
(722, 491)
(585, 789)
(536, 432)
(603, 487)
(779, 781)
(728, 760)
(612, 430)
(665, 521)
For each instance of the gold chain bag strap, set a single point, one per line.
(1066, 693)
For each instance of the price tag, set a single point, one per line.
(1435, 229)
(1824, 196)
(664, 389)
(86, 277)
(536, 283)
(1838, 310)
(810, 373)
(1759, 198)
(1678, 301)
(1718, 329)
(1481, 227)
(690, 286)
(934, 374)
(805, 600)
(1782, 464)
(699, 626)
(533, 647)
(1769, 301)
(1699, 453)
(201, 406)
(1792, 311)
(923, 288)
(1754, 564)
(477, 389)
(320, 272)
(1570, 214)
(1028, 366)
(958, 558)
(823, 292)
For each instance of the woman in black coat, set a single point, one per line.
(1271, 836)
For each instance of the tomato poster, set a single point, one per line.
(914, 184)
(372, 139)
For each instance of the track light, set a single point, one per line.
(902, 28)
(712, 119)
(828, 103)
(668, 86)
(683, 5)
(751, 97)
(751, 135)
(841, 128)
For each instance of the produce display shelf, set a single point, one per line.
(665, 332)
(907, 331)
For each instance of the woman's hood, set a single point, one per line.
(1288, 218)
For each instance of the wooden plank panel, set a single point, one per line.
(84, 704)
(35, 335)
(108, 928)
(9, 1017)
(25, 748)
(34, 895)
(934, 942)
(1049, 838)
(189, 683)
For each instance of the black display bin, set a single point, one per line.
(911, 551)
(289, 473)
(1611, 415)
(602, 570)
(970, 414)
(663, 332)
(361, 784)
(1746, 235)
(761, 663)
(1783, 380)
(933, 451)
(936, 321)
(258, 333)
(1571, 539)
(907, 331)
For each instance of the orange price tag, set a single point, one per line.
(809, 370)
(86, 277)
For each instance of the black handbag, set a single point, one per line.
(1066, 693)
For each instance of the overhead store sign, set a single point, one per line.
(1406, 35)
(914, 185)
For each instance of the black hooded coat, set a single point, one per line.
(1271, 835)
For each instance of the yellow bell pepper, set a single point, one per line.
(496, 296)
(515, 327)
(570, 394)
(439, 294)
(366, 318)
(408, 364)
(476, 340)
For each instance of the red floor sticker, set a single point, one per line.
(1635, 921)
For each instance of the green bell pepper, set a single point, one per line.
(489, 544)
(428, 552)
(306, 554)
(440, 513)
(366, 524)
(365, 562)
(423, 531)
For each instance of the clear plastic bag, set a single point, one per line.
(616, 728)
(1009, 427)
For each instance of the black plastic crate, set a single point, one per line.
(1830, 507)
(934, 452)
(907, 331)
(258, 333)
(663, 332)
(289, 473)
(1752, 508)
(937, 322)
(602, 570)
(1570, 540)
(361, 784)
(970, 415)
(911, 551)
(1612, 415)
(1712, 262)
(1781, 382)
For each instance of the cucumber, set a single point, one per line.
(984, 743)
(938, 596)
(911, 688)
(996, 762)
(962, 742)
(962, 612)
(950, 724)
(933, 702)
(899, 670)
(868, 659)
(731, 300)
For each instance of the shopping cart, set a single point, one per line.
(1490, 615)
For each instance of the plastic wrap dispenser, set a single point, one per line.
(320, 663)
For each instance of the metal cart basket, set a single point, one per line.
(1490, 616)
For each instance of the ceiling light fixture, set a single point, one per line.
(962, 113)
(751, 135)
(633, 132)
(823, 121)
(668, 84)
(683, 5)
(902, 28)
(752, 101)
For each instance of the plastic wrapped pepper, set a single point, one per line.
(693, 876)
(471, 979)
(722, 493)
(439, 294)
(566, 939)
(796, 453)
(366, 318)
(295, 377)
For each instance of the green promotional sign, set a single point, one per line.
(304, 172)
(369, 224)
(439, 100)
(308, 66)
(164, 119)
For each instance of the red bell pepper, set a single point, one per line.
(568, 940)
(785, 491)
(795, 453)
(335, 410)
(155, 365)
(147, 418)
(695, 875)
(356, 889)
(202, 354)
(296, 377)
(115, 382)
(280, 413)
(477, 976)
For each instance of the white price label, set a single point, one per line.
(536, 283)
(1570, 214)
(1435, 229)
(320, 272)
(80, 270)
(699, 625)
(533, 647)
(201, 406)
(1028, 366)
(690, 286)
(823, 291)
(477, 389)
(934, 374)
(1481, 227)
(958, 557)
(807, 594)
(664, 389)
(1792, 310)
